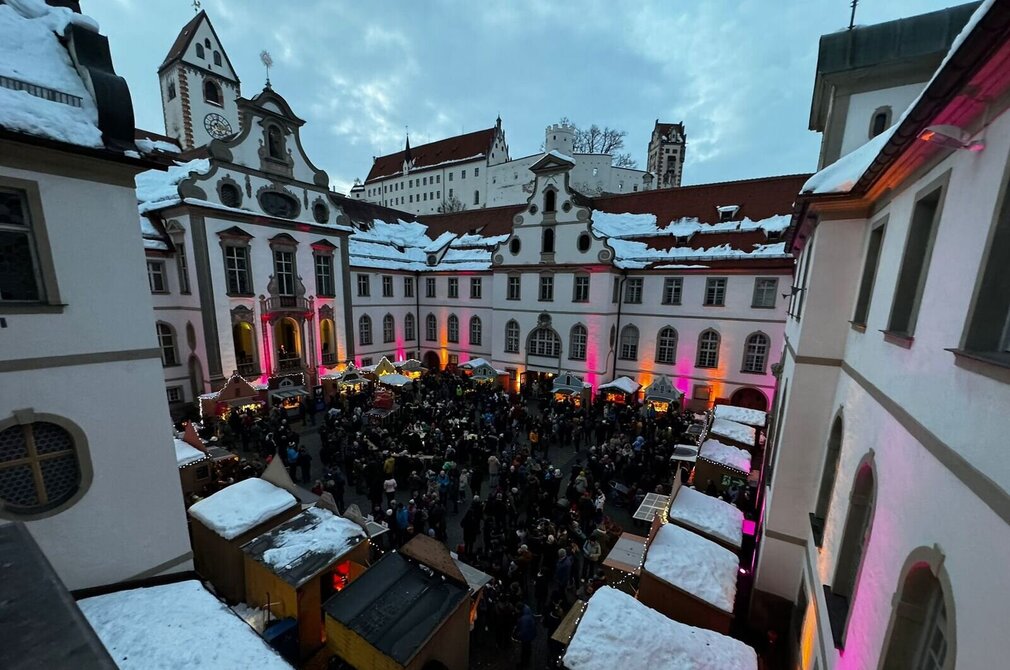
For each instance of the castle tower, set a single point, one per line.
(560, 137)
(199, 87)
(667, 147)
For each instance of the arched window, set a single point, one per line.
(880, 121)
(475, 330)
(217, 58)
(922, 631)
(547, 245)
(365, 330)
(666, 345)
(166, 342)
(755, 353)
(476, 197)
(550, 201)
(544, 342)
(828, 473)
(452, 325)
(388, 328)
(211, 92)
(409, 330)
(244, 340)
(855, 537)
(199, 51)
(708, 349)
(629, 343)
(512, 337)
(328, 338)
(275, 143)
(430, 328)
(577, 342)
(40, 465)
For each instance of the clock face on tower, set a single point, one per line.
(217, 126)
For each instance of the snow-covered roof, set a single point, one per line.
(694, 565)
(406, 245)
(558, 154)
(474, 362)
(617, 631)
(394, 379)
(624, 384)
(709, 515)
(157, 189)
(242, 506)
(717, 452)
(751, 417)
(175, 626)
(306, 544)
(732, 430)
(186, 453)
(149, 146)
(32, 55)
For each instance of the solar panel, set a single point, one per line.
(653, 503)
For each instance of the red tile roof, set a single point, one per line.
(488, 222)
(477, 143)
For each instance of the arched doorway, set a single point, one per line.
(244, 340)
(288, 344)
(750, 398)
(432, 361)
(328, 339)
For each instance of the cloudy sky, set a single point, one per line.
(738, 73)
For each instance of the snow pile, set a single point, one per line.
(624, 225)
(617, 631)
(147, 146)
(709, 515)
(632, 254)
(175, 626)
(328, 534)
(242, 506)
(624, 384)
(716, 451)
(751, 417)
(157, 189)
(629, 226)
(186, 453)
(732, 430)
(694, 565)
(31, 52)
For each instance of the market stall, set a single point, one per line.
(295, 567)
(710, 517)
(617, 631)
(623, 563)
(476, 580)
(736, 434)
(722, 464)
(195, 472)
(622, 390)
(411, 368)
(288, 393)
(396, 380)
(236, 395)
(569, 387)
(662, 396)
(220, 524)
(484, 373)
(745, 415)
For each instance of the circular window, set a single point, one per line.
(38, 467)
(533, 209)
(320, 213)
(583, 242)
(567, 206)
(515, 245)
(231, 195)
(432, 259)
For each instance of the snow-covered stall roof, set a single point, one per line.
(157, 189)
(617, 631)
(32, 58)
(724, 454)
(474, 363)
(395, 379)
(242, 506)
(175, 626)
(694, 564)
(707, 514)
(306, 544)
(568, 382)
(732, 430)
(623, 384)
(185, 453)
(745, 415)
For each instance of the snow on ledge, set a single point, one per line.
(241, 507)
(157, 189)
(694, 564)
(709, 515)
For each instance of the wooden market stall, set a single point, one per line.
(722, 464)
(411, 368)
(745, 415)
(710, 517)
(735, 434)
(482, 372)
(383, 367)
(287, 393)
(569, 387)
(220, 524)
(401, 613)
(662, 396)
(622, 390)
(236, 395)
(195, 471)
(623, 564)
(349, 380)
(296, 566)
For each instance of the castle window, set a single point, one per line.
(199, 52)
(217, 58)
(212, 92)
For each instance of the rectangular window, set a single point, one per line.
(475, 288)
(715, 291)
(424, 181)
(581, 293)
(633, 291)
(453, 359)
(156, 276)
(438, 179)
(512, 288)
(425, 197)
(387, 286)
(462, 174)
(702, 392)
(476, 172)
(431, 329)
(408, 287)
(476, 197)
(450, 179)
(388, 329)
(284, 272)
(869, 277)
(915, 265)
(617, 290)
(453, 287)
(411, 196)
(365, 362)
(237, 270)
(764, 292)
(324, 275)
(182, 265)
(673, 287)
(364, 287)
(174, 394)
(546, 288)
(429, 287)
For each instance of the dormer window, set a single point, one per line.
(550, 201)
(217, 58)
(275, 143)
(211, 92)
(199, 52)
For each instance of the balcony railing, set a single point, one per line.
(287, 303)
(289, 362)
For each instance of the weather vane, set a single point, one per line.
(196, 6)
(852, 18)
(267, 62)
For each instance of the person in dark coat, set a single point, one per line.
(526, 631)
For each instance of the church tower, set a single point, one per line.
(667, 147)
(199, 87)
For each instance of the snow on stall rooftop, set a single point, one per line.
(694, 564)
(186, 453)
(732, 430)
(617, 631)
(242, 506)
(716, 451)
(328, 534)
(709, 515)
(624, 384)
(751, 417)
(160, 188)
(175, 626)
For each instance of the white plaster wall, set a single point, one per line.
(861, 107)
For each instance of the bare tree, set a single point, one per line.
(450, 205)
(606, 140)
